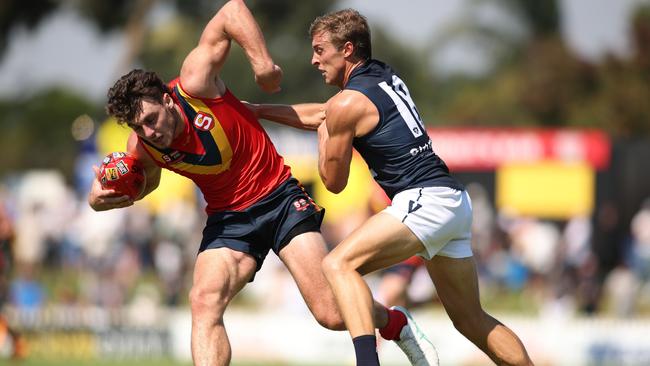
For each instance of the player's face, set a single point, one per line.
(328, 59)
(157, 122)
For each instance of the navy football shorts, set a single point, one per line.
(270, 223)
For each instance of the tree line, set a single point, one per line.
(535, 79)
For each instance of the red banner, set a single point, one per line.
(484, 149)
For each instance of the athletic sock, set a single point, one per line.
(396, 321)
(365, 347)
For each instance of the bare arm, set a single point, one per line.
(350, 114)
(335, 143)
(306, 116)
(101, 199)
(151, 170)
(200, 71)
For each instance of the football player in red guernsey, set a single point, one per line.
(196, 127)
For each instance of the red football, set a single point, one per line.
(123, 173)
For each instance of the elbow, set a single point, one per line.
(151, 184)
(148, 189)
(334, 187)
(332, 181)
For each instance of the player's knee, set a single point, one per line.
(332, 265)
(333, 323)
(329, 318)
(207, 300)
(464, 326)
(516, 359)
(469, 325)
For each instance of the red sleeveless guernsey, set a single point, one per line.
(223, 149)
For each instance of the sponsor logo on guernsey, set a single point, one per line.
(118, 155)
(301, 204)
(111, 174)
(416, 150)
(122, 167)
(173, 157)
(203, 121)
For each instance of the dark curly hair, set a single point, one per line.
(345, 25)
(125, 97)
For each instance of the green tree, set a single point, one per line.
(162, 47)
(15, 13)
(619, 103)
(535, 77)
(36, 131)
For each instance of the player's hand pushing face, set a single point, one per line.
(101, 199)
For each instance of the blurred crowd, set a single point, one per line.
(63, 253)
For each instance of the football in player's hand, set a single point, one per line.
(123, 173)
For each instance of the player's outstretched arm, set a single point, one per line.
(306, 116)
(234, 21)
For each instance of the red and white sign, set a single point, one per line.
(482, 149)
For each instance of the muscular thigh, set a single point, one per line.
(303, 256)
(456, 283)
(379, 243)
(220, 273)
(266, 225)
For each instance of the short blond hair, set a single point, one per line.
(343, 26)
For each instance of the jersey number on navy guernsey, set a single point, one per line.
(399, 93)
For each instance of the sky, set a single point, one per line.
(67, 50)
(590, 26)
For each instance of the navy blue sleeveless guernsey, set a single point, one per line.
(398, 150)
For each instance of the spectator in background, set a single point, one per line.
(10, 339)
(639, 256)
(607, 250)
(629, 284)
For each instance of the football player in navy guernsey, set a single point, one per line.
(430, 214)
